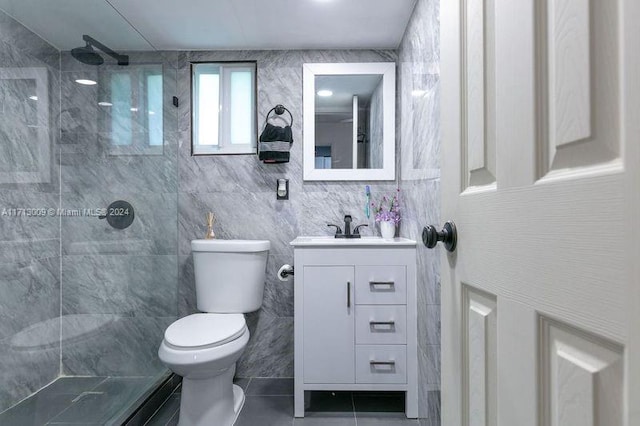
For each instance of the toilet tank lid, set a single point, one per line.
(230, 246)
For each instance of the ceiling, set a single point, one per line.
(216, 24)
(344, 87)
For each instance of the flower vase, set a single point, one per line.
(388, 229)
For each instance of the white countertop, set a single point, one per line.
(365, 241)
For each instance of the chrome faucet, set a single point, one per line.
(347, 229)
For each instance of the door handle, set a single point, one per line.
(348, 294)
(448, 236)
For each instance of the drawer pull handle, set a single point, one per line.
(382, 327)
(389, 363)
(377, 323)
(376, 284)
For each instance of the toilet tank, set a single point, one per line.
(229, 274)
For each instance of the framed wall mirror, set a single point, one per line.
(349, 121)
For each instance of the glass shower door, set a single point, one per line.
(118, 286)
(84, 301)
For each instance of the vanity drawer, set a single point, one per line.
(381, 364)
(381, 325)
(381, 285)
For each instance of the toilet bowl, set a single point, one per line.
(203, 348)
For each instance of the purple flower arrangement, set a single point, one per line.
(388, 210)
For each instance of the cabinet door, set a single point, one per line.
(329, 330)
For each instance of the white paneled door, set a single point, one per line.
(540, 135)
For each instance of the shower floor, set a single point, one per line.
(81, 400)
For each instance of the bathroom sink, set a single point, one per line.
(330, 241)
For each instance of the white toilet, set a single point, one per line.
(203, 348)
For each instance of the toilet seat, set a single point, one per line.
(198, 331)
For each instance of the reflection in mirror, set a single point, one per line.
(24, 125)
(349, 121)
(131, 109)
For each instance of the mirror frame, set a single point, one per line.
(388, 72)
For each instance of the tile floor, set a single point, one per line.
(78, 401)
(269, 402)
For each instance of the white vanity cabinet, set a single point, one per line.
(355, 317)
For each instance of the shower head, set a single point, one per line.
(87, 55)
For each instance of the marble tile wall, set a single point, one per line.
(240, 190)
(119, 287)
(419, 140)
(29, 246)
